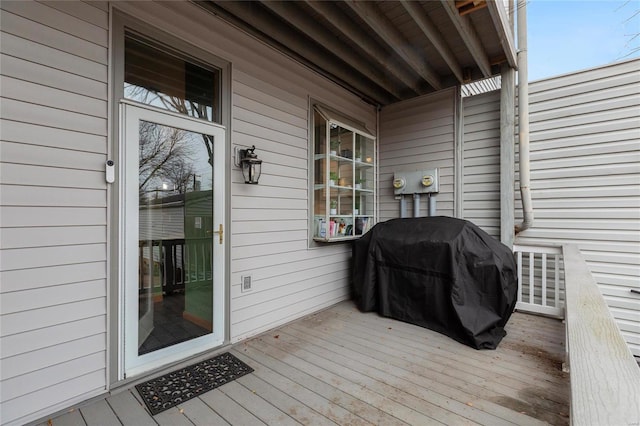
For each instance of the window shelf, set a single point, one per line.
(344, 180)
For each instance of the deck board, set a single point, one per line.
(340, 366)
(378, 377)
(447, 386)
(388, 379)
(172, 417)
(262, 409)
(508, 363)
(394, 401)
(286, 403)
(229, 409)
(200, 414)
(482, 368)
(332, 403)
(129, 410)
(73, 418)
(337, 381)
(98, 414)
(502, 367)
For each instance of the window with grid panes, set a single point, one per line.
(344, 170)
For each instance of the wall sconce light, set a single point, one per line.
(250, 164)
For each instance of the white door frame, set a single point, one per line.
(131, 363)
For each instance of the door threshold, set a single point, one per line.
(129, 382)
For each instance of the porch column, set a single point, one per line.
(507, 156)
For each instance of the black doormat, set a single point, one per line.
(167, 391)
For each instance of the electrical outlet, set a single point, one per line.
(245, 284)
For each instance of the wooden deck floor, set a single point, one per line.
(343, 367)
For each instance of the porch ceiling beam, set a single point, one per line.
(469, 36)
(369, 13)
(341, 23)
(505, 33)
(420, 17)
(314, 58)
(466, 7)
(305, 24)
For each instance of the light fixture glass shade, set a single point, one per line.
(251, 166)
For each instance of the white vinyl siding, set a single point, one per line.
(585, 178)
(481, 161)
(416, 135)
(270, 222)
(52, 206)
(269, 232)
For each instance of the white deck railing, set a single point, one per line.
(604, 376)
(605, 379)
(540, 279)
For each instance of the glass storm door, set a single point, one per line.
(172, 234)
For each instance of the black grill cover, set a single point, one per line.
(442, 273)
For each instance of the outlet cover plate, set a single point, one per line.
(245, 284)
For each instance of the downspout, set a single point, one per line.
(376, 177)
(523, 120)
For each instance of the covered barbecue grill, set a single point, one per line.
(441, 273)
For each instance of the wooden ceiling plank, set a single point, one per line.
(501, 21)
(275, 30)
(420, 17)
(305, 24)
(469, 36)
(342, 24)
(369, 13)
(463, 3)
(472, 8)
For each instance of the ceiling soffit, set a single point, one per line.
(383, 51)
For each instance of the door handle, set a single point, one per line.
(220, 232)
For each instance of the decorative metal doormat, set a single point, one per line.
(167, 391)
